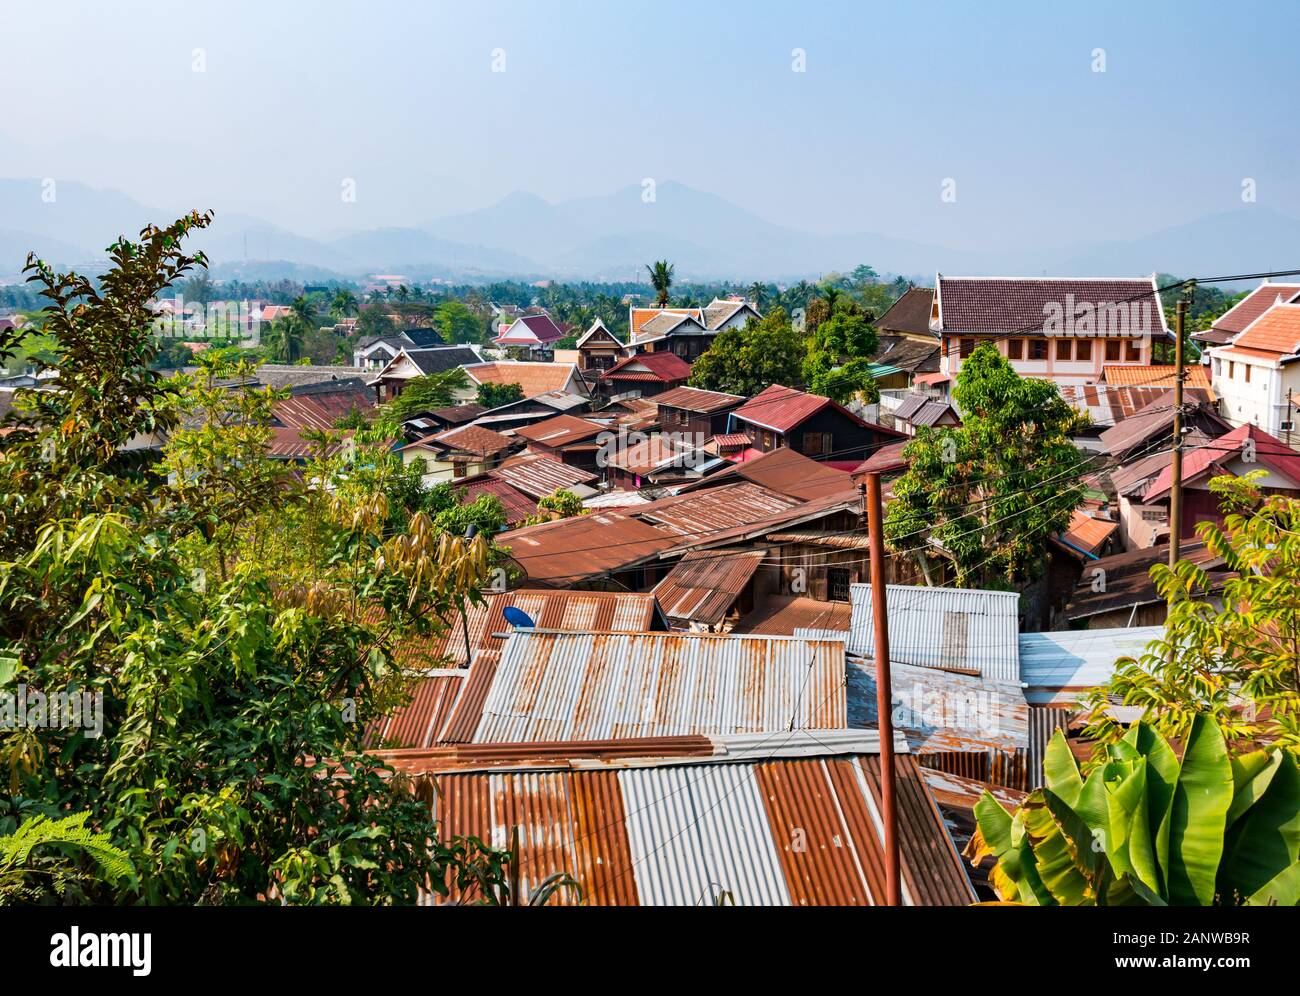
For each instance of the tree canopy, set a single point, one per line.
(991, 491)
(748, 359)
(238, 625)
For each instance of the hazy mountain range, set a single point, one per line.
(612, 237)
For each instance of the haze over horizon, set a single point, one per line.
(434, 113)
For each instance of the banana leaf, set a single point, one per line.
(1161, 777)
(1198, 815)
(1267, 837)
(1282, 890)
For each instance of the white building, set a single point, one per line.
(1257, 375)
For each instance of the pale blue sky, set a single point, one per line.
(595, 96)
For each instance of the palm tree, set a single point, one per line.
(286, 339)
(304, 311)
(344, 303)
(756, 292)
(661, 279)
(403, 292)
(832, 295)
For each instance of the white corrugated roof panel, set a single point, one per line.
(1078, 659)
(592, 686)
(943, 627)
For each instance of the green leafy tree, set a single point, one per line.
(560, 504)
(231, 766)
(456, 323)
(422, 394)
(374, 321)
(661, 279)
(1146, 828)
(45, 861)
(992, 491)
(495, 395)
(838, 363)
(1234, 662)
(747, 360)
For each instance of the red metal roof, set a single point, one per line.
(518, 505)
(783, 471)
(782, 408)
(531, 329)
(703, 587)
(693, 399)
(567, 551)
(559, 431)
(539, 475)
(664, 367)
(694, 820)
(1214, 456)
(471, 439)
(781, 615)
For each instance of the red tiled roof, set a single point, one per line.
(1275, 331)
(1020, 304)
(533, 378)
(1155, 375)
(640, 316)
(665, 367)
(1245, 311)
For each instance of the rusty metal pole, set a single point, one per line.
(1176, 457)
(884, 696)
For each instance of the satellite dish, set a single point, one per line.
(517, 617)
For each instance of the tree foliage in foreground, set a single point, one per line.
(992, 491)
(1235, 662)
(1147, 828)
(239, 655)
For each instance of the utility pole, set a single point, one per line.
(1290, 415)
(1176, 457)
(884, 695)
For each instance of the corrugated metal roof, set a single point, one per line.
(594, 686)
(786, 820)
(702, 587)
(694, 399)
(942, 711)
(569, 550)
(698, 514)
(540, 476)
(1051, 663)
(943, 627)
(790, 615)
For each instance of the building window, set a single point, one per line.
(458, 469)
(1037, 349)
(1112, 350)
(1083, 350)
(1015, 349)
(837, 584)
(816, 443)
(967, 347)
(1232, 370)
(1062, 349)
(1245, 370)
(1133, 350)
(1218, 367)
(1153, 515)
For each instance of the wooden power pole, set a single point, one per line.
(1176, 457)
(884, 692)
